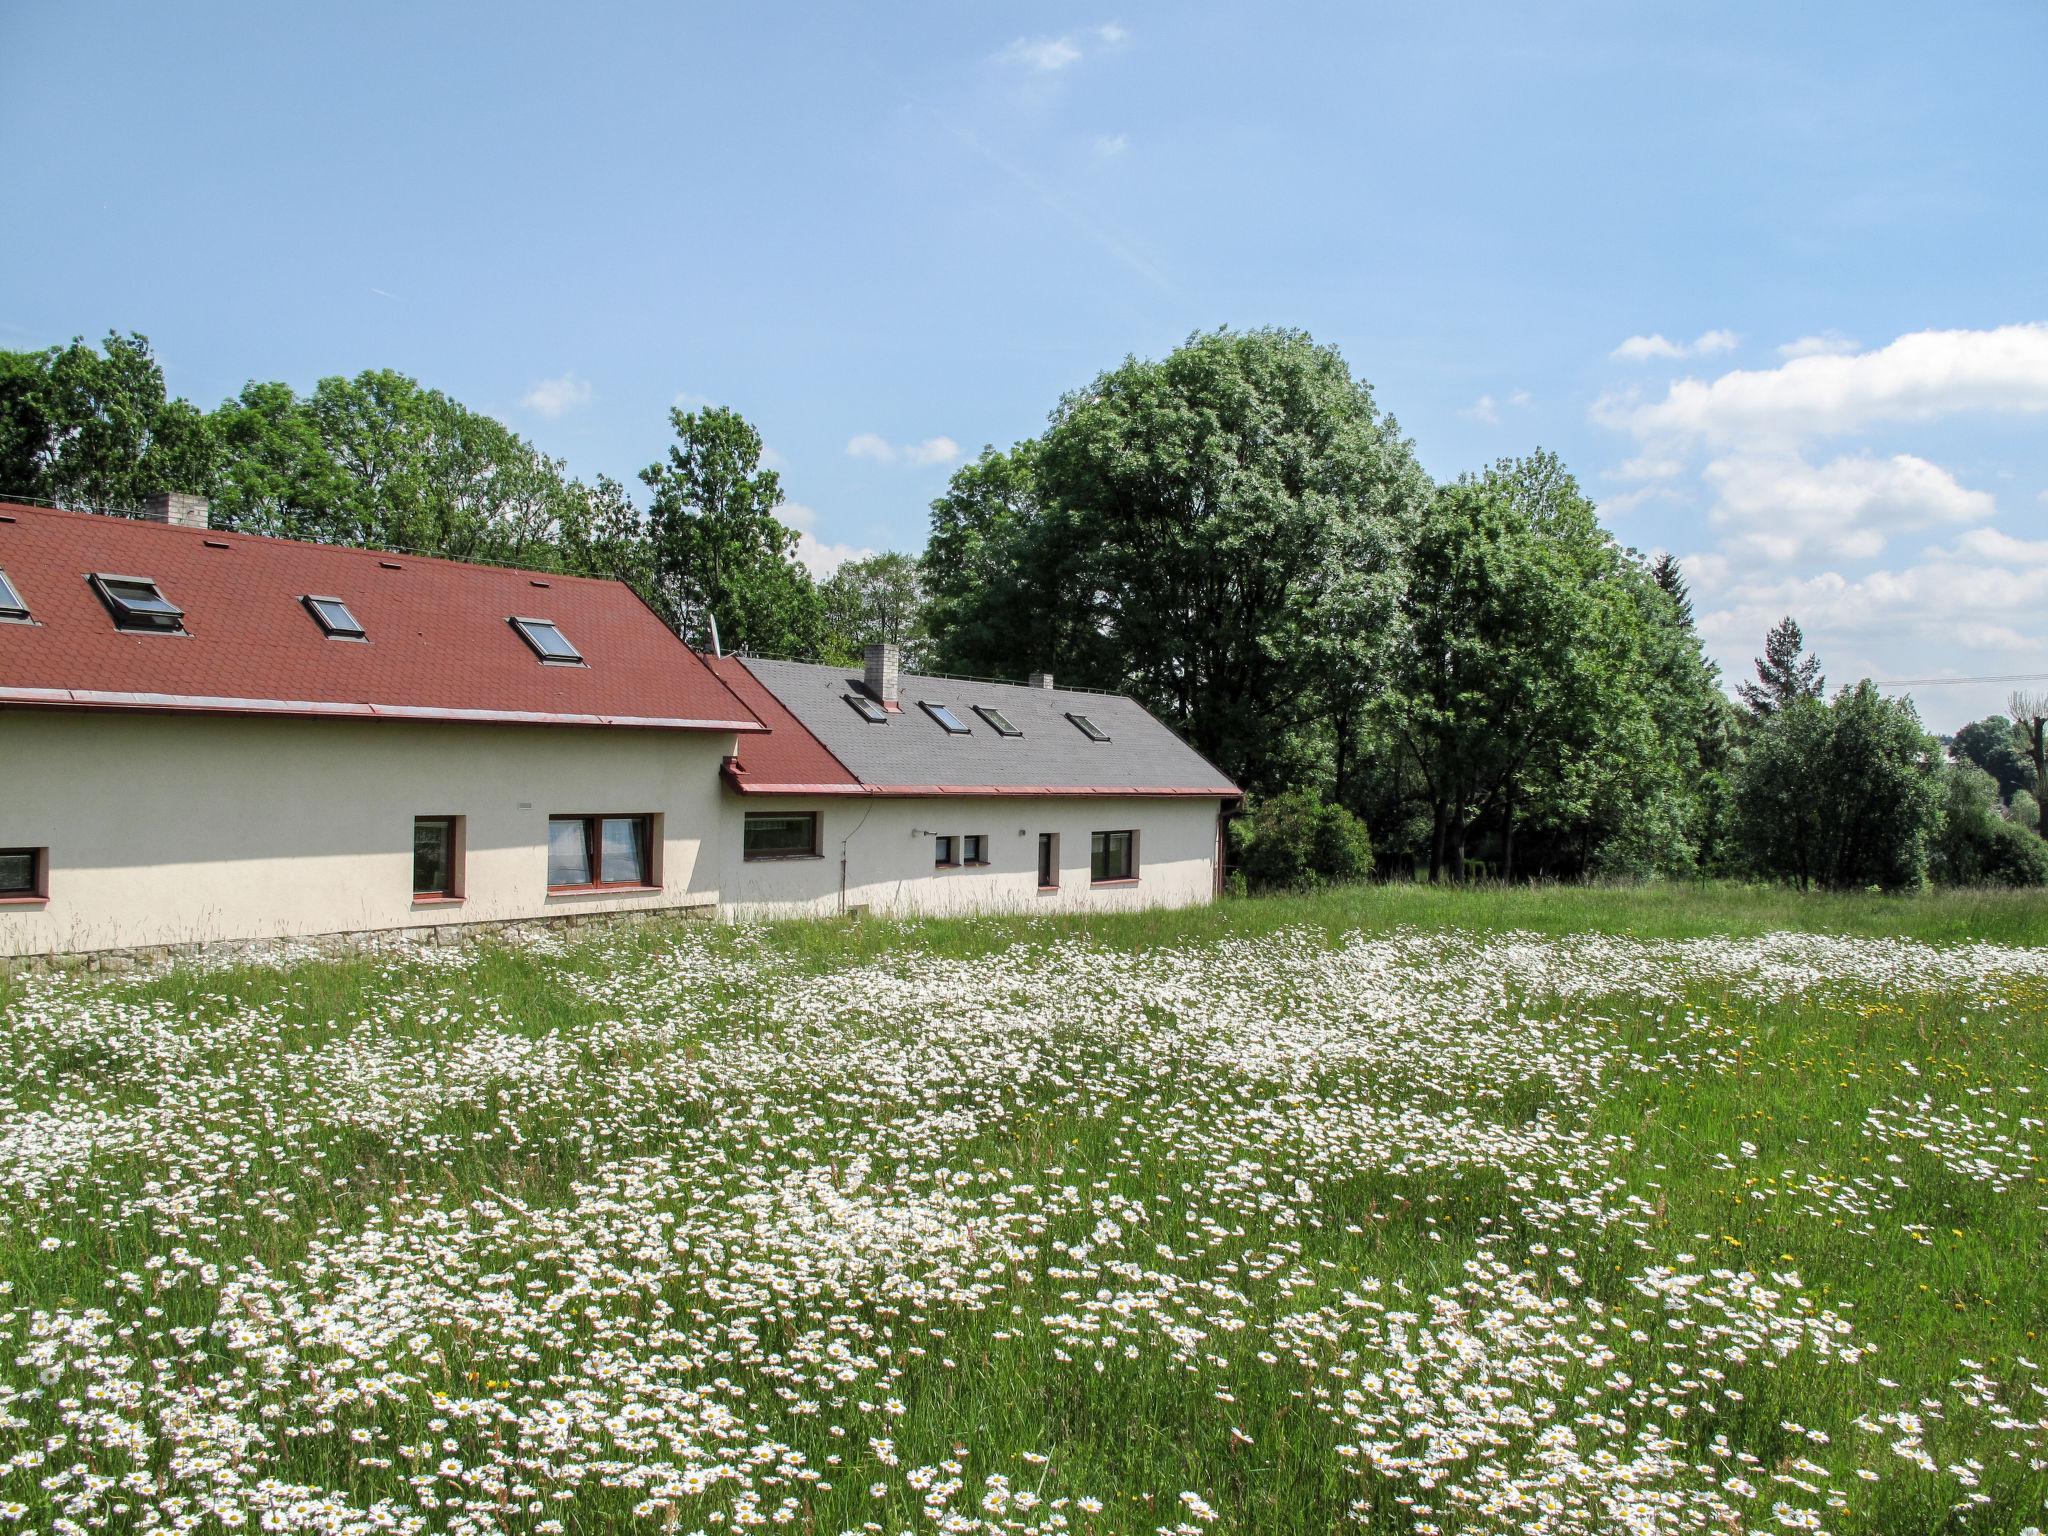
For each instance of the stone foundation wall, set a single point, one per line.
(223, 953)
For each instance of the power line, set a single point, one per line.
(1935, 682)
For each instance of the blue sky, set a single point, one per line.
(890, 235)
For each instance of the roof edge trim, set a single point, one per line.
(189, 704)
(740, 785)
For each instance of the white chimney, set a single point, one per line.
(881, 673)
(1039, 680)
(177, 508)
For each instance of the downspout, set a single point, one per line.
(866, 812)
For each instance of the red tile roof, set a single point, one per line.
(787, 760)
(439, 645)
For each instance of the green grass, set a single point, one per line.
(1720, 1133)
(1650, 911)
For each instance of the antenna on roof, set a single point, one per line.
(712, 619)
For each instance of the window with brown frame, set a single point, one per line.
(974, 849)
(945, 853)
(597, 852)
(1112, 856)
(437, 858)
(24, 874)
(779, 835)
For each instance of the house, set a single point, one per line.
(210, 735)
(901, 793)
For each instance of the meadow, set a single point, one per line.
(1386, 1210)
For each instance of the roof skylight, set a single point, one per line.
(867, 709)
(11, 604)
(548, 641)
(1088, 727)
(332, 615)
(949, 722)
(136, 604)
(997, 720)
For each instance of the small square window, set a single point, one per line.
(11, 604)
(333, 617)
(548, 642)
(1113, 856)
(1088, 728)
(868, 709)
(136, 604)
(944, 853)
(949, 722)
(974, 849)
(997, 720)
(21, 873)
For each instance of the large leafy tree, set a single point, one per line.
(379, 459)
(1993, 744)
(981, 569)
(1841, 795)
(1976, 845)
(878, 600)
(1520, 686)
(93, 427)
(1216, 531)
(716, 551)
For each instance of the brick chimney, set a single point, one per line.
(881, 673)
(178, 508)
(1039, 680)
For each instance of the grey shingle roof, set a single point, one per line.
(913, 751)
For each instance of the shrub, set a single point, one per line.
(1296, 840)
(1976, 844)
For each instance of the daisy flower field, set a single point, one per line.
(1515, 1214)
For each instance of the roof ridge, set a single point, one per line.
(384, 551)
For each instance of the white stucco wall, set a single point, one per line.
(889, 853)
(169, 829)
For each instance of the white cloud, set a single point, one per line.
(1641, 349)
(1919, 377)
(1109, 145)
(555, 397)
(1045, 54)
(820, 558)
(1826, 344)
(1952, 613)
(1050, 55)
(1485, 409)
(1648, 466)
(933, 450)
(878, 449)
(1779, 507)
(1519, 397)
(1629, 501)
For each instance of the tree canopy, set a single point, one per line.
(1475, 672)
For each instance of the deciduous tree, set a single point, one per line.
(717, 551)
